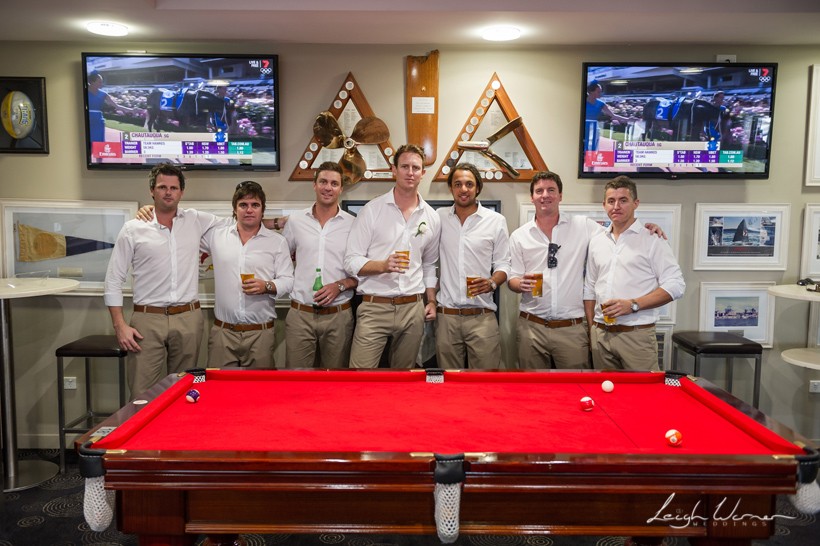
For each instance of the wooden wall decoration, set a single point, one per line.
(349, 106)
(421, 103)
(494, 126)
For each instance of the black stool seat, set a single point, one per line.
(716, 342)
(93, 347)
(88, 347)
(719, 345)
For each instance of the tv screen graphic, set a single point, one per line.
(696, 120)
(197, 111)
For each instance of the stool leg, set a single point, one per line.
(730, 367)
(697, 365)
(756, 394)
(122, 381)
(88, 408)
(61, 412)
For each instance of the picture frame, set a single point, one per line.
(273, 209)
(70, 239)
(743, 307)
(17, 107)
(810, 259)
(741, 236)
(666, 216)
(812, 177)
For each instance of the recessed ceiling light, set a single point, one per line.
(501, 33)
(107, 28)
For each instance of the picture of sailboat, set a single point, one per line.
(741, 235)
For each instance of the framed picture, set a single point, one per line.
(813, 130)
(665, 216)
(741, 236)
(224, 209)
(354, 206)
(70, 239)
(810, 261)
(742, 307)
(24, 118)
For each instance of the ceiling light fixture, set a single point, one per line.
(501, 33)
(107, 28)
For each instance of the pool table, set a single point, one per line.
(289, 451)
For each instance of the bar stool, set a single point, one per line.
(98, 346)
(719, 345)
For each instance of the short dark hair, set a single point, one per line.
(168, 169)
(622, 181)
(547, 175)
(329, 166)
(408, 148)
(248, 188)
(466, 167)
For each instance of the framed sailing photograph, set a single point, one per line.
(741, 236)
(743, 307)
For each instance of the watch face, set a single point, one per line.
(635, 307)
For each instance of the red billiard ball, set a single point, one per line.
(674, 438)
(192, 396)
(587, 403)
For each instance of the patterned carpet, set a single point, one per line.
(51, 515)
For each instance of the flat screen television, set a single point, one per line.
(676, 120)
(198, 111)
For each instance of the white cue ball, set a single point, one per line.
(607, 386)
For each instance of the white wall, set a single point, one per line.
(544, 85)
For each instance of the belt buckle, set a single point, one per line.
(167, 311)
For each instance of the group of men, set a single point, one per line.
(584, 288)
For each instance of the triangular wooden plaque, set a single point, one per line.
(494, 108)
(348, 107)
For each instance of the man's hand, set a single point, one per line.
(479, 286)
(655, 229)
(326, 295)
(146, 213)
(127, 338)
(253, 287)
(430, 312)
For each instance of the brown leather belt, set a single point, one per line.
(170, 310)
(550, 323)
(242, 327)
(320, 310)
(398, 300)
(466, 312)
(618, 328)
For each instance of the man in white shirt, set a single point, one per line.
(630, 274)
(165, 331)
(252, 267)
(550, 326)
(393, 285)
(319, 325)
(474, 247)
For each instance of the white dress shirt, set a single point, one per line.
(563, 292)
(321, 247)
(379, 229)
(164, 262)
(266, 255)
(477, 248)
(630, 267)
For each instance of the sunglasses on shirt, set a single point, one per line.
(552, 250)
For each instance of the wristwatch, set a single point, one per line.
(341, 287)
(269, 286)
(493, 285)
(635, 307)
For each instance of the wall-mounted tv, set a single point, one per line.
(676, 120)
(198, 111)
